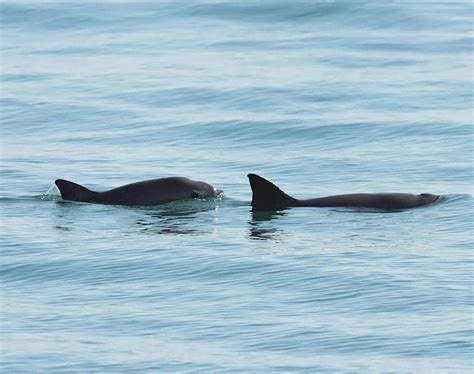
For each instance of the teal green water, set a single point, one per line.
(322, 98)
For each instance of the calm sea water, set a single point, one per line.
(322, 97)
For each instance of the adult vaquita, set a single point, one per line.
(145, 193)
(268, 197)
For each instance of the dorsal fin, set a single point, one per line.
(74, 192)
(267, 196)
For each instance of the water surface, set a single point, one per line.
(322, 98)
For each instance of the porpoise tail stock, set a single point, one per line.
(267, 196)
(146, 193)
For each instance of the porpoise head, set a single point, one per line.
(427, 198)
(204, 191)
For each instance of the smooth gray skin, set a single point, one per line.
(146, 193)
(267, 196)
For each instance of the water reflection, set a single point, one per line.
(261, 227)
(170, 222)
(189, 218)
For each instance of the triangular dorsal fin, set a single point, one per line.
(74, 192)
(267, 196)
